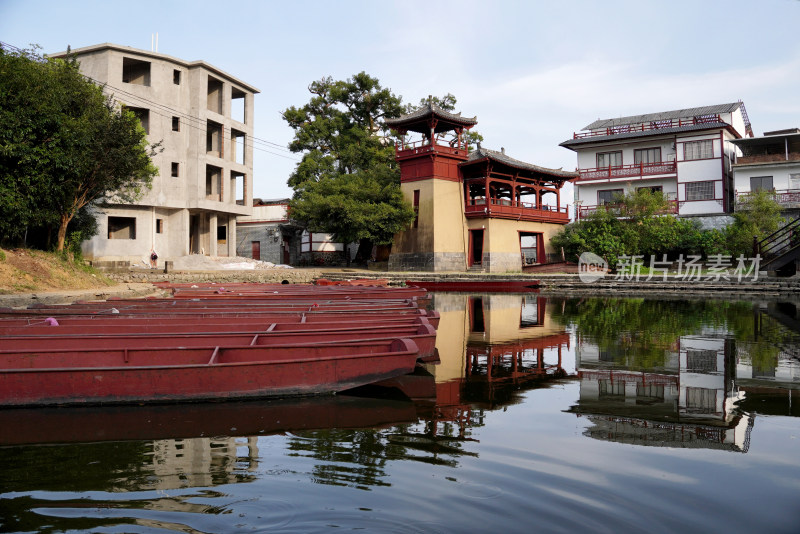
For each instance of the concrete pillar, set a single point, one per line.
(212, 234)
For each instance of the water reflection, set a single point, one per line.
(679, 373)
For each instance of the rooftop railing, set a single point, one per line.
(651, 125)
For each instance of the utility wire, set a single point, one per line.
(189, 120)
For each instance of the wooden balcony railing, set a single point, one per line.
(629, 171)
(652, 125)
(521, 211)
(583, 211)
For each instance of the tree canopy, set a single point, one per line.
(348, 183)
(64, 144)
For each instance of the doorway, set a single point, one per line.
(256, 249)
(475, 247)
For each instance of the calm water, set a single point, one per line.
(544, 414)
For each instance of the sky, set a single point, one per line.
(533, 72)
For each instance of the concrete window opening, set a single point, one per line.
(175, 169)
(213, 183)
(238, 146)
(214, 102)
(176, 77)
(122, 227)
(214, 139)
(237, 184)
(176, 124)
(222, 235)
(159, 226)
(143, 114)
(135, 71)
(238, 99)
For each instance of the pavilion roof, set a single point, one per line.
(484, 154)
(418, 120)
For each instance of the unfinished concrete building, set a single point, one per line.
(203, 118)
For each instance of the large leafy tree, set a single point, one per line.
(64, 144)
(347, 183)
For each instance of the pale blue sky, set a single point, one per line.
(532, 72)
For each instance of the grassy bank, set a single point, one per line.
(27, 270)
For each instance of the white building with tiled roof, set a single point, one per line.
(686, 154)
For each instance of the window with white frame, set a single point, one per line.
(700, 190)
(609, 159)
(647, 155)
(698, 149)
(760, 183)
(794, 181)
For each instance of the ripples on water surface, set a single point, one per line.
(550, 415)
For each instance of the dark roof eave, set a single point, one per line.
(520, 165)
(569, 143)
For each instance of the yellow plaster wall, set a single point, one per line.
(448, 217)
(441, 223)
(502, 235)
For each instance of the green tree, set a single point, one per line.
(64, 145)
(637, 223)
(757, 215)
(347, 183)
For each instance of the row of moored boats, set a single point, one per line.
(213, 341)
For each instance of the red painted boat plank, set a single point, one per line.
(75, 377)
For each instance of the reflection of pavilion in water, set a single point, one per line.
(686, 400)
(490, 347)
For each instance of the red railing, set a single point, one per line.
(629, 171)
(781, 196)
(523, 211)
(652, 125)
(583, 211)
(423, 147)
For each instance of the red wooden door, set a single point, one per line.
(256, 249)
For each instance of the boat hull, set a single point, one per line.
(194, 374)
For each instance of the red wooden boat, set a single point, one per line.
(488, 286)
(424, 335)
(99, 376)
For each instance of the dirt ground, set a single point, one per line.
(30, 276)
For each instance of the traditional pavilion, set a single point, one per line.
(479, 210)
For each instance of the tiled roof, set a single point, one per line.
(664, 115)
(431, 109)
(483, 153)
(647, 133)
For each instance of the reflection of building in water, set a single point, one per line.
(196, 462)
(679, 397)
(489, 345)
